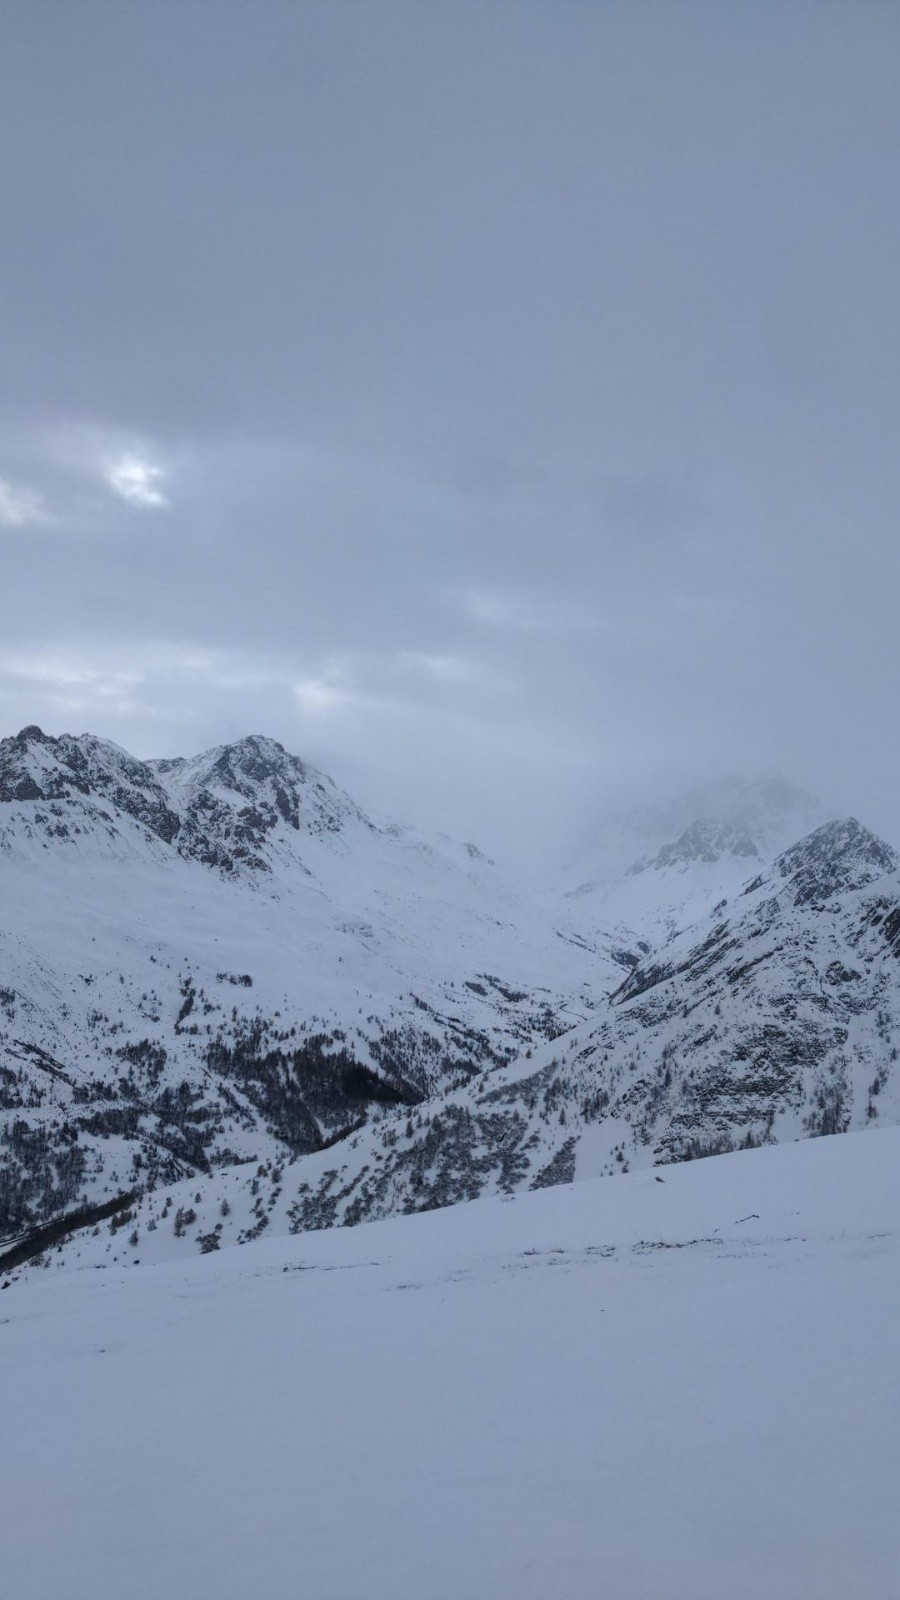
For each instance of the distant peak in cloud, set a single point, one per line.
(136, 480)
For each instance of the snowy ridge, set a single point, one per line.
(229, 808)
(240, 805)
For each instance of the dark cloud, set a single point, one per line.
(493, 402)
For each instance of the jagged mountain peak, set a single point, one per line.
(658, 864)
(735, 821)
(77, 759)
(260, 757)
(839, 856)
(705, 840)
(229, 807)
(836, 859)
(254, 756)
(235, 798)
(81, 768)
(697, 848)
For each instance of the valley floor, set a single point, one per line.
(664, 1386)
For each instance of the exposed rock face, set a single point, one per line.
(702, 841)
(237, 801)
(34, 767)
(836, 858)
(229, 808)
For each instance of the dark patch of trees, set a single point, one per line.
(42, 1238)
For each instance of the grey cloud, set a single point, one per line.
(490, 401)
(20, 507)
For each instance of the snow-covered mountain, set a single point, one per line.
(225, 986)
(240, 808)
(773, 1021)
(658, 868)
(208, 960)
(769, 808)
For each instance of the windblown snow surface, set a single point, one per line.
(660, 1386)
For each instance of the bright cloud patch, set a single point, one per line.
(318, 695)
(19, 507)
(136, 481)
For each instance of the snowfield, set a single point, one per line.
(676, 1385)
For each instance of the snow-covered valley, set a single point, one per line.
(231, 998)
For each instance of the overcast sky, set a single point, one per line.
(496, 403)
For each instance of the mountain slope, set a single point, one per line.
(210, 960)
(220, 979)
(774, 1020)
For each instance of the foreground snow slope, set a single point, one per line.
(676, 1386)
